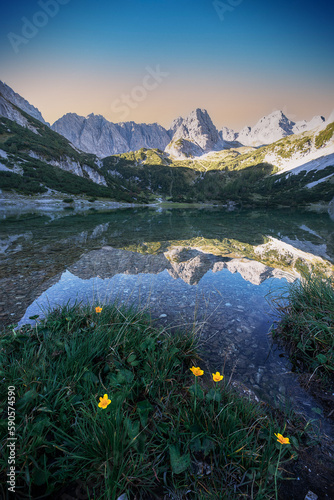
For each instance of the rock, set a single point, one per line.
(197, 129)
(94, 134)
(227, 134)
(273, 127)
(74, 167)
(9, 95)
(311, 496)
(181, 148)
(331, 209)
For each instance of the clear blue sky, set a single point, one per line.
(255, 57)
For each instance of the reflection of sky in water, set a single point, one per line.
(220, 288)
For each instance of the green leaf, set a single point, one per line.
(132, 428)
(40, 477)
(106, 368)
(213, 395)
(295, 443)
(90, 377)
(39, 424)
(271, 469)
(132, 358)
(143, 410)
(196, 445)
(148, 344)
(124, 377)
(178, 462)
(322, 359)
(196, 391)
(208, 445)
(27, 398)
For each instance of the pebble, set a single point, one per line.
(163, 316)
(311, 496)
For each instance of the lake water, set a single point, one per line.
(190, 268)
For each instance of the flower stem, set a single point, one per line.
(195, 397)
(275, 478)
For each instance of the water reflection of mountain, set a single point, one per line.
(188, 264)
(34, 249)
(133, 226)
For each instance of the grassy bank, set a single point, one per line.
(105, 404)
(307, 326)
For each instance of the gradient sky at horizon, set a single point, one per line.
(254, 58)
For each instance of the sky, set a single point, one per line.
(154, 60)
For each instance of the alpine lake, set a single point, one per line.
(214, 271)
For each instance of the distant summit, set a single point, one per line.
(198, 128)
(191, 136)
(269, 129)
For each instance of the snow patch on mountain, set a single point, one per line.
(314, 160)
(312, 184)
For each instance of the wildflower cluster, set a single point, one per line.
(217, 377)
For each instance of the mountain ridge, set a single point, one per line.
(191, 136)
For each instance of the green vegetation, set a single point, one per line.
(10, 181)
(160, 429)
(324, 136)
(46, 143)
(290, 189)
(307, 325)
(239, 174)
(38, 174)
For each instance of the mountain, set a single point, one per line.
(269, 129)
(12, 97)
(187, 137)
(36, 161)
(197, 128)
(94, 134)
(198, 164)
(294, 171)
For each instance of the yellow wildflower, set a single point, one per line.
(217, 377)
(282, 439)
(104, 402)
(98, 309)
(197, 371)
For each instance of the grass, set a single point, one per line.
(164, 430)
(324, 136)
(307, 325)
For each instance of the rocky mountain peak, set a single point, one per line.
(198, 128)
(20, 102)
(95, 134)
